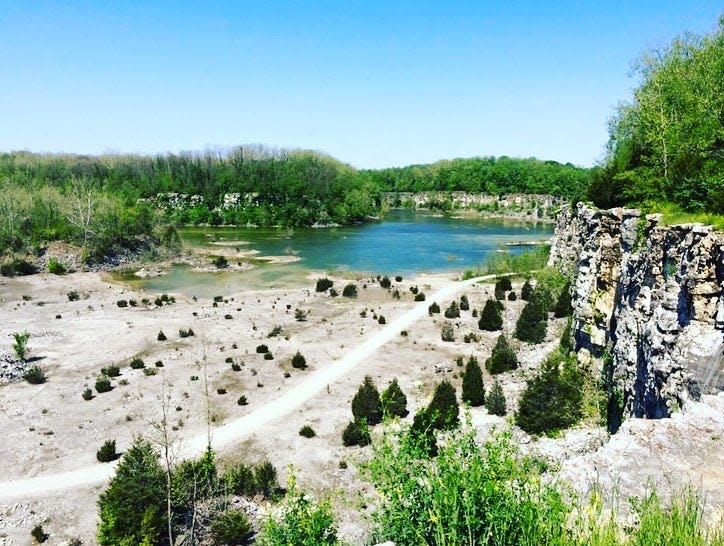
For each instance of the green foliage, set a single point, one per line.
(55, 267)
(464, 303)
(20, 346)
(240, 480)
(502, 358)
(161, 336)
(220, 262)
(261, 349)
(35, 375)
(132, 508)
(385, 282)
(231, 528)
(87, 394)
(17, 267)
(526, 290)
(300, 522)
(137, 363)
(453, 311)
(193, 481)
(490, 317)
(356, 433)
(103, 384)
(504, 284)
(107, 452)
(443, 408)
(298, 361)
(323, 284)
(39, 534)
(495, 400)
(531, 325)
(447, 333)
(394, 401)
(433, 308)
(111, 371)
(185, 333)
(552, 400)
(366, 404)
(473, 391)
(419, 296)
(307, 432)
(350, 291)
(73, 295)
(517, 262)
(265, 476)
(512, 296)
(566, 343)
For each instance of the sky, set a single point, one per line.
(372, 83)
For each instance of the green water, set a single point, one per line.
(402, 243)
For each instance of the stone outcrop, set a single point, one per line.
(650, 296)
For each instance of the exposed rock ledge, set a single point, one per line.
(650, 294)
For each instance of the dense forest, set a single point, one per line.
(667, 143)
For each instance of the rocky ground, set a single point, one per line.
(50, 428)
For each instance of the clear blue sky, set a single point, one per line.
(373, 83)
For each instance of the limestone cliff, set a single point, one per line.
(650, 296)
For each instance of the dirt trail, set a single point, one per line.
(246, 426)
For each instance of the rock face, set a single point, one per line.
(651, 297)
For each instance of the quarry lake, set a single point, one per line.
(402, 242)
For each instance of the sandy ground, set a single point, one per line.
(49, 430)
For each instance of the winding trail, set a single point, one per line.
(247, 425)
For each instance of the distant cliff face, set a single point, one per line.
(651, 296)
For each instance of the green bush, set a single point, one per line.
(231, 528)
(381, 320)
(307, 432)
(240, 480)
(356, 433)
(434, 308)
(512, 296)
(87, 394)
(161, 336)
(420, 296)
(526, 290)
(350, 291)
(220, 262)
(502, 358)
(552, 399)
(447, 333)
(443, 409)
(366, 404)
(17, 267)
(107, 452)
(473, 391)
(268, 356)
(504, 283)
(323, 284)
(20, 346)
(111, 371)
(385, 282)
(185, 333)
(242, 401)
(132, 509)
(73, 295)
(56, 268)
(490, 318)
(39, 534)
(103, 384)
(149, 371)
(394, 401)
(261, 349)
(495, 400)
(298, 361)
(137, 363)
(265, 476)
(35, 376)
(453, 311)
(531, 325)
(464, 303)
(122, 303)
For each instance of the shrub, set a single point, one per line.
(414, 289)
(499, 292)
(307, 432)
(512, 296)
(228, 317)
(137, 363)
(103, 384)
(531, 325)
(107, 452)
(265, 476)
(122, 303)
(261, 349)
(434, 308)
(566, 343)
(420, 296)
(504, 283)
(382, 320)
(495, 401)
(394, 401)
(39, 534)
(385, 282)
(149, 371)
(298, 361)
(333, 293)
(220, 262)
(186, 333)
(161, 336)
(526, 291)
(473, 390)
(239, 480)
(132, 508)
(552, 400)
(275, 331)
(475, 313)
(220, 391)
(502, 358)
(563, 308)
(268, 356)
(35, 376)
(323, 284)
(396, 294)
(87, 394)
(158, 364)
(490, 318)
(356, 433)
(453, 311)
(231, 528)
(366, 404)
(17, 266)
(464, 303)
(236, 367)
(350, 291)
(398, 278)
(20, 346)
(447, 333)
(242, 401)
(111, 371)
(300, 315)
(421, 436)
(56, 268)
(443, 408)
(133, 303)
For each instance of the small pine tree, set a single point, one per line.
(499, 292)
(298, 361)
(422, 433)
(394, 401)
(443, 408)
(453, 311)
(504, 283)
(366, 404)
(464, 303)
(562, 308)
(495, 401)
(530, 326)
(434, 308)
(502, 358)
(356, 434)
(473, 389)
(490, 317)
(526, 291)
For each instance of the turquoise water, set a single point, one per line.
(402, 243)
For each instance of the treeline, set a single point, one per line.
(667, 143)
(487, 175)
